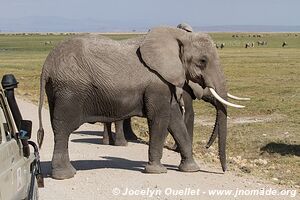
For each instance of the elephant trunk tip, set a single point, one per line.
(212, 138)
(223, 163)
(40, 137)
(213, 135)
(224, 168)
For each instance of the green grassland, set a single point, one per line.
(269, 74)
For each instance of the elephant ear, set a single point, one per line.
(160, 51)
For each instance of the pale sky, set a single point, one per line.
(157, 12)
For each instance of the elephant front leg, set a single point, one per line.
(61, 166)
(179, 132)
(158, 134)
(188, 118)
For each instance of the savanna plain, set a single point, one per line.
(263, 138)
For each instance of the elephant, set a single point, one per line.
(96, 79)
(191, 92)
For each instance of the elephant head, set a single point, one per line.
(178, 56)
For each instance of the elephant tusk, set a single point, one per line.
(238, 98)
(222, 100)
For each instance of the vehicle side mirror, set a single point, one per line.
(25, 129)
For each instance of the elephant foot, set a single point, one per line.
(121, 143)
(189, 166)
(105, 141)
(63, 173)
(155, 169)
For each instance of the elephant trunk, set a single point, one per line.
(217, 82)
(221, 124)
(222, 133)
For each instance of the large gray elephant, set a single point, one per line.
(191, 91)
(95, 79)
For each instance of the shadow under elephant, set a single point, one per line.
(104, 163)
(111, 163)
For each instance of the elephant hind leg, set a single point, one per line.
(65, 120)
(61, 166)
(120, 138)
(107, 134)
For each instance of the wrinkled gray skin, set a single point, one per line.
(123, 128)
(95, 79)
(191, 91)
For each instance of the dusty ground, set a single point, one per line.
(107, 172)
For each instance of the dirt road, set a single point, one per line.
(109, 172)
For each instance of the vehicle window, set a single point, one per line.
(5, 127)
(6, 124)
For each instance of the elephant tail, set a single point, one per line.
(40, 132)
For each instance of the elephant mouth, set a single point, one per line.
(207, 84)
(202, 82)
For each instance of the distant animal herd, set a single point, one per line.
(218, 45)
(252, 43)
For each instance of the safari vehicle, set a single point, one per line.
(20, 171)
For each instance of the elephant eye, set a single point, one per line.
(203, 61)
